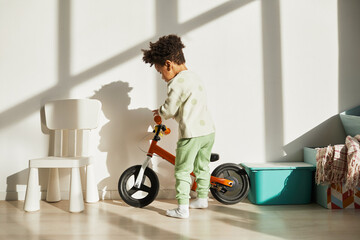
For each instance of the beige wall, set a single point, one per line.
(277, 74)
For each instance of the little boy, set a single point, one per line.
(186, 103)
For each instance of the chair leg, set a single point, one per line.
(53, 188)
(32, 198)
(76, 196)
(92, 193)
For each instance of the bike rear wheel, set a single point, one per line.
(138, 197)
(240, 188)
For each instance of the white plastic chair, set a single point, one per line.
(71, 120)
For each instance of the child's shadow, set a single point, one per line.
(122, 136)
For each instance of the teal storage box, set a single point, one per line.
(320, 191)
(351, 121)
(280, 182)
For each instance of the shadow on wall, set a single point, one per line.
(17, 182)
(12, 181)
(272, 78)
(125, 132)
(349, 54)
(330, 131)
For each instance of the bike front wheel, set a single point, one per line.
(240, 188)
(138, 197)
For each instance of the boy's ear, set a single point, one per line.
(168, 64)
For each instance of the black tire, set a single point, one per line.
(138, 197)
(240, 188)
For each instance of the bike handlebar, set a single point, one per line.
(167, 131)
(158, 121)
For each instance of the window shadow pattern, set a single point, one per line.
(166, 22)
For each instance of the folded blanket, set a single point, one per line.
(331, 164)
(339, 163)
(353, 162)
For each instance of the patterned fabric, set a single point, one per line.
(331, 164)
(323, 158)
(339, 164)
(353, 161)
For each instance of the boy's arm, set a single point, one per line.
(171, 105)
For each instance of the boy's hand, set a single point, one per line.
(156, 112)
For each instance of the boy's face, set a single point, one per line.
(165, 71)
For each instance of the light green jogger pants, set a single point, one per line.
(193, 155)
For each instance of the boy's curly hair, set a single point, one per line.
(166, 48)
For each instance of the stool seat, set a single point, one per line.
(60, 162)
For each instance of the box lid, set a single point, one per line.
(278, 165)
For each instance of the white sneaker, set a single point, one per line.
(199, 203)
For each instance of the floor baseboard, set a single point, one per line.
(103, 195)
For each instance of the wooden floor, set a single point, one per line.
(115, 220)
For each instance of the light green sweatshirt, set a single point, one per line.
(186, 102)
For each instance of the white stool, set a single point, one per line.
(71, 120)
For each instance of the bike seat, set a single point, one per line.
(214, 157)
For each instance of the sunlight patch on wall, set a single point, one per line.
(28, 50)
(94, 21)
(310, 64)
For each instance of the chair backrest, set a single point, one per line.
(72, 114)
(72, 120)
